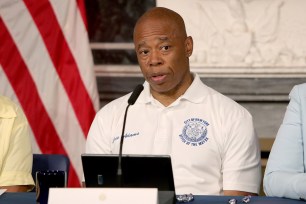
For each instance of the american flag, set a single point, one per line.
(46, 66)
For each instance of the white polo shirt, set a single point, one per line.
(210, 138)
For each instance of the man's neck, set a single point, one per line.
(168, 98)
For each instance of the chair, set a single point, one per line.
(42, 162)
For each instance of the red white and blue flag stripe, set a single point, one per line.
(46, 66)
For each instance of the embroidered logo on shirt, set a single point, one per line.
(194, 132)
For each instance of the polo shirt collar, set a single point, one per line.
(195, 93)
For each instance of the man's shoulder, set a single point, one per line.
(220, 97)
(225, 103)
(199, 89)
(211, 92)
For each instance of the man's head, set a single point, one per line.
(163, 50)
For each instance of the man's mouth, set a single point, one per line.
(158, 78)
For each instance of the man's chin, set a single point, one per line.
(160, 89)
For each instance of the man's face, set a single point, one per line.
(163, 56)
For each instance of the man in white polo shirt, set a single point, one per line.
(210, 137)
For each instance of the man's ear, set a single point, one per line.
(189, 46)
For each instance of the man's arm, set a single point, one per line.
(19, 188)
(241, 160)
(238, 193)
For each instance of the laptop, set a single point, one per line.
(138, 171)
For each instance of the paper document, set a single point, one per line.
(2, 191)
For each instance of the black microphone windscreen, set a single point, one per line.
(138, 89)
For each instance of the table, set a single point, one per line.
(29, 198)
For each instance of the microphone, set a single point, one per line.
(138, 89)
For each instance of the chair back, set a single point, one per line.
(43, 162)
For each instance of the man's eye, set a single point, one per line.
(165, 47)
(144, 52)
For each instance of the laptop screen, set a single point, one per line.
(139, 171)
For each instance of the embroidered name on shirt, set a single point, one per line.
(126, 135)
(194, 132)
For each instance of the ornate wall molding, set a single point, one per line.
(245, 33)
(236, 72)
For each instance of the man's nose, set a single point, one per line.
(155, 58)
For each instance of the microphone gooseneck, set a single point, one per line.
(138, 89)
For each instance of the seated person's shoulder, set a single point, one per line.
(301, 88)
(8, 108)
(298, 91)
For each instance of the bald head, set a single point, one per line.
(160, 14)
